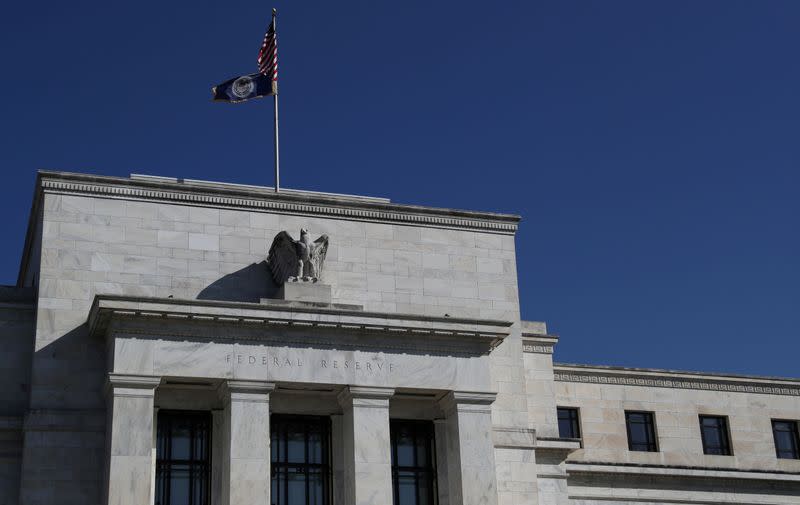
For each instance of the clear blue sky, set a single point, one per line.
(652, 147)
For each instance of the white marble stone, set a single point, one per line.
(245, 443)
(470, 449)
(130, 438)
(366, 445)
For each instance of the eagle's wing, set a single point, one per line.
(318, 252)
(282, 258)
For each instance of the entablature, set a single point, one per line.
(295, 322)
(622, 376)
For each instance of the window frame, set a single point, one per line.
(429, 469)
(325, 468)
(796, 438)
(724, 426)
(164, 466)
(575, 421)
(652, 446)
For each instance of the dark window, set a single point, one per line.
(714, 433)
(787, 445)
(568, 426)
(300, 460)
(183, 458)
(641, 431)
(413, 475)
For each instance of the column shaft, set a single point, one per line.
(470, 450)
(245, 443)
(129, 439)
(367, 445)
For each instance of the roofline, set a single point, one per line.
(26, 248)
(260, 198)
(665, 371)
(268, 194)
(674, 379)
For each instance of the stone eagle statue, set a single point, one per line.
(294, 260)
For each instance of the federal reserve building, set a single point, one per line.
(182, 342)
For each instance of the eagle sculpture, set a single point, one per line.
(294, 260)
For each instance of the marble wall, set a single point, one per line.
(102, 244)
(605, 471)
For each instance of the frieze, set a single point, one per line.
(539, 349)
(709, 384)
(338, 363)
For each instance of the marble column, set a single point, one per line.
(367, 445)
(471, 468)
(337, 460)
(440, 436)
(129, 439)
(245, 442)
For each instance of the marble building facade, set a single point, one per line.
(150, 357)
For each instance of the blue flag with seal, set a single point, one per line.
(245, 87)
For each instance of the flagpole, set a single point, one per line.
(275, 101)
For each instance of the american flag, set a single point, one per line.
(268, 54)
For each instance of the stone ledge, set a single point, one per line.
(671, 471)
(514, 438)
(106, 308)
(558, 444)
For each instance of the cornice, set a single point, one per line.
(676, 379)
(575, 467)
(292, 202)
(409, 329)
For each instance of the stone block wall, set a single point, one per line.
(605, 471)
(103, 243)
(602, 416)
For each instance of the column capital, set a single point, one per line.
(467, 401)
(131, 385)
(351, 395)
(245, 390)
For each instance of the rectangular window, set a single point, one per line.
(413, 456)
(715, 436)
(568, 424)
(300, 460)
(641, 431)
(787, 445)
(183, 458)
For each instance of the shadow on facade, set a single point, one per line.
(249, 284)
(76, 362)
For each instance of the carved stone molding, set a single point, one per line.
(467, 401)
(135, 386)
(365, 396)
(291, 322)
(227, 197)
(676, 380)
(245, 391)
(539, 349)
(540, 344)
